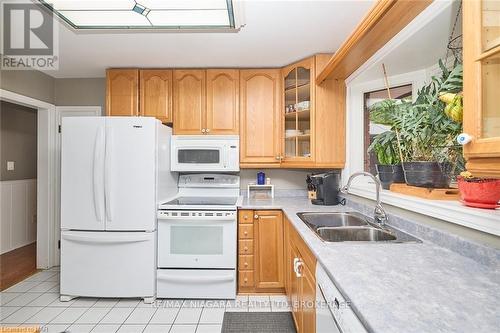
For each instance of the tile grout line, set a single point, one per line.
(21, 294)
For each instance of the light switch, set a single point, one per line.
(10, 166)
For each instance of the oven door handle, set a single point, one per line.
(197, 219)
(190, 279)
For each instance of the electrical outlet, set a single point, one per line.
(10, 166)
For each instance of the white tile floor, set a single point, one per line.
(35, 301)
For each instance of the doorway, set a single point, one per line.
(18, 192)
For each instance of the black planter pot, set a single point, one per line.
(427, 174)
(389, 174)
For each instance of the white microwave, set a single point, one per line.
(205, 153)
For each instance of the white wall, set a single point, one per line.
(282, 179)
(17, 214)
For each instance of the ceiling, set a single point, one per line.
(424, 47)
(275, 33)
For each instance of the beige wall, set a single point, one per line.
(80, 92)
(61, 92)
(33, 84)
(18, 141)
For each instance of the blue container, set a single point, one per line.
(261, 178)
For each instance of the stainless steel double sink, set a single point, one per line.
(352, 227)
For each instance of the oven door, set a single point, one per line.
(197, 239)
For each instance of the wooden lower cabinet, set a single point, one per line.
(261, 251)
(301, 280)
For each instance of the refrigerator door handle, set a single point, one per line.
(143, 237)
(107, 175)
(96, 171)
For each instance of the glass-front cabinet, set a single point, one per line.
(481, 53)
(298, 112)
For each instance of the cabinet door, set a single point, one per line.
(308, 299)
(298, 113)
(481, 55)
(222, 101)
(269, 258)
(156, 94)
(122, 92)
(189, 101)
(260, 96)
(295, 290)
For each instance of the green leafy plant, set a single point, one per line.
(385, 147)
(421, 130)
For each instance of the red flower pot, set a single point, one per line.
(484, 193)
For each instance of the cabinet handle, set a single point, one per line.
(245, 233)
(245, 280)
(245, 217)
(256, 216)
(207, 130)
(278, 157)
(202, 130)
(464, 138)
(297, 266)
(245, 249)
(245, 264)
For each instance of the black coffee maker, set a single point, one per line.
(324, 188)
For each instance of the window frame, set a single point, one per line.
(450, 211)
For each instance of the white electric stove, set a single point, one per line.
(197, 237)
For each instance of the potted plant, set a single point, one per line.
(425, 133)
(388, 165)
(479, 192)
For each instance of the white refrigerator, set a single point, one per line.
(114, 171)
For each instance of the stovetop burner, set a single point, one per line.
(205, 201)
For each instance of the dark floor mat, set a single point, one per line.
(258, 322)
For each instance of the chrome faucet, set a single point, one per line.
(379, 214)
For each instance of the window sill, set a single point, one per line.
(451, 211)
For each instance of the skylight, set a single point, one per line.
(144, 14)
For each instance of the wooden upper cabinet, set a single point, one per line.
(481, 60)
(156, 94)
(189, 101)
(122, 92)
(260, 100)
(269, 251)
(222, 116)
(298, 113)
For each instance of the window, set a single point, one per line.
(144, 14)
(371, 129)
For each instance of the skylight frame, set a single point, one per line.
(230, 11)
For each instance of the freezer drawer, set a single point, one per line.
(108, 264)
(196, 283)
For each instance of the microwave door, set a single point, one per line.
(198, 158)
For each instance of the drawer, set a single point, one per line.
(191, 283)
(245, 247)
(245, 279)
(245, 216)
(245, 262)
(245, 231)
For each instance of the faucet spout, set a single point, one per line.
(379, 214)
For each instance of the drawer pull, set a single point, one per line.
(245, 248)
(245, 264)
(245, 233)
